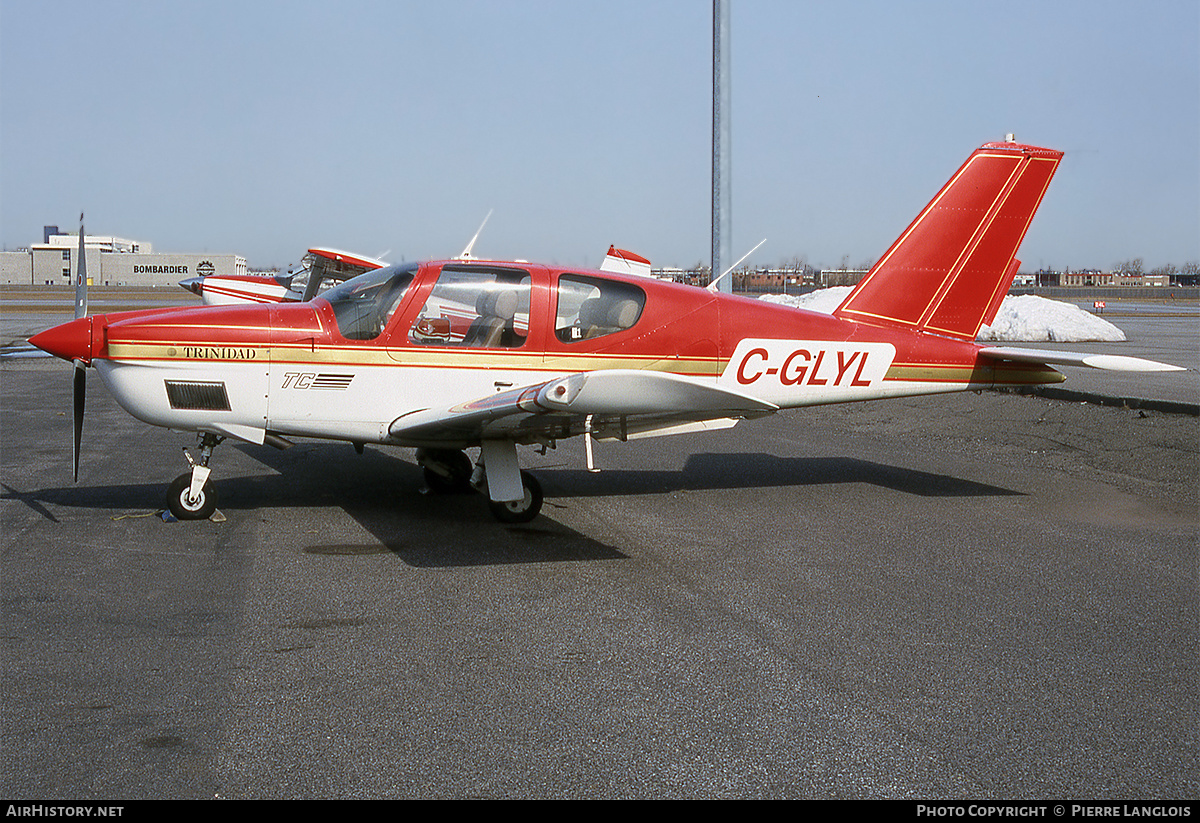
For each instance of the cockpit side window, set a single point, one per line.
(475, 307)
(590, 307)
(362, 306)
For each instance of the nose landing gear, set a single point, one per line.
(191, 495)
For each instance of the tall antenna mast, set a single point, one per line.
(722, 231)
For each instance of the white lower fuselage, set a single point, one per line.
(328, 398)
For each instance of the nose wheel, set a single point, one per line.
(188, 506)
(192, 495)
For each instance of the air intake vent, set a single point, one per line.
(197, 396)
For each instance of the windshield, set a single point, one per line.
(364, 305)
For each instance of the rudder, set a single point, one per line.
(950, 269)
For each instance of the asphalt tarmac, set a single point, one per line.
(971, 596)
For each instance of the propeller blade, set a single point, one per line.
(79, 391)
(81, 296)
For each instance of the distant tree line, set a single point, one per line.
(798, 270)
(1185, 275)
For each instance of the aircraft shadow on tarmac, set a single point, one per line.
(379, 492)
(376, 490)
(421, 530)
(716, 472)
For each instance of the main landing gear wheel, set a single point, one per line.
(523, 510)
(183, 506)
(455, 477)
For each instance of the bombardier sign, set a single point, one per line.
(204, 268)
(160, 269)
(155, 269)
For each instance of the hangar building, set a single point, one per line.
(111, 261)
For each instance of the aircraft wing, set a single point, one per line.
(617, 403)
(1110, 362)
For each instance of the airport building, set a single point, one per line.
(110, 261)
(1117, 278)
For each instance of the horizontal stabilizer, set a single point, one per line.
(622, 261)
(1109, 362)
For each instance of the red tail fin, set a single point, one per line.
(950, 269)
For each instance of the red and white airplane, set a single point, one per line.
(320, 270)
(459, 354)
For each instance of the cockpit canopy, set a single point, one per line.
(484, 305)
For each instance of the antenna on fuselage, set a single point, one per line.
(713, 285)
(466, 253)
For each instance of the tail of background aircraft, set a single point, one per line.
(950, 270)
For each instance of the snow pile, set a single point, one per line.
(1023, 318)
(1028, 317)
(822, 300)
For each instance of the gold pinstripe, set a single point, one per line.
(574, 362)
(971, 373)
(302, 353)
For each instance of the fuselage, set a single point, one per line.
(408, 338)
(240, 289)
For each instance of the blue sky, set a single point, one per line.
(263, 128)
